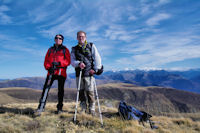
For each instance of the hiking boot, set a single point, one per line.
(92, 109)
(83, 111)
(92, 112)
(83, 107)
(38, 112)
(59, 111)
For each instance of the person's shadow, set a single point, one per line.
(26, 111)
(30, 112)
(104, 114)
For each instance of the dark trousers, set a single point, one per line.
(61, 83)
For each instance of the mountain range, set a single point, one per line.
(183, 80)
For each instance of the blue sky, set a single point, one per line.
(129, 34)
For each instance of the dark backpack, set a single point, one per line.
(99, 71)
(130, 113)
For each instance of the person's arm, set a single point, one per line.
(67, 59)
(47, 61)
(96, 58)
(74, 62)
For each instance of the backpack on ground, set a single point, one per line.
(130, 113)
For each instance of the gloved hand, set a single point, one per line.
(51, 70)
(82, 65)
(55, 63)
(91, 72)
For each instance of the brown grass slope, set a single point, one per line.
(4, 99)
(32, 95)
(152, 99)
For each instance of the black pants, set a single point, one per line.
(61, 83)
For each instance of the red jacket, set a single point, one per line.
(57, 55)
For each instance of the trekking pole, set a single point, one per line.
(44, 97)
(79, 84)
(100, 115)
(46, 90)
(45, 94)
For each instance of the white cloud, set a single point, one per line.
(102, 17)
(31, 38)
(132, 18)
(67, 28)
(161, 49)
(126, 61)
(157, 58)
(48, 10)
(16, 46)
(149, 7)
(4, 18)
(157, 18)
(6, 1)
(162, 2)
(145, 9)
(39, 14)
(122, 33)
(4, 8)
(109, 13)
(71, 20)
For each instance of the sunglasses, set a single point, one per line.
(58, 38)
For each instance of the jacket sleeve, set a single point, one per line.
(74, 62)
(47, 61)
(67, 59)
(96, 57)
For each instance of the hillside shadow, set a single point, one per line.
(26, 111)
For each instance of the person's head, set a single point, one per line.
(59, 39)
(81, 37)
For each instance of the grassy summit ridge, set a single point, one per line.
(17, 118)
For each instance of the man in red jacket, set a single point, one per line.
(56, 61)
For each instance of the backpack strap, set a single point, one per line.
(63, 49)
(50, 50)
(91, 44)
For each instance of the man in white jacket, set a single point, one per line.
(85, 57)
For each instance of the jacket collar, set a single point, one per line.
(57, 48)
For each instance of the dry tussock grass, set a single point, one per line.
(17, 118)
